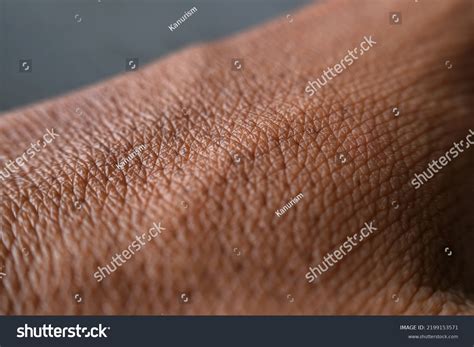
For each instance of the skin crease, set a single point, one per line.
(253, 140)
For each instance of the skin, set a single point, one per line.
(223, 246)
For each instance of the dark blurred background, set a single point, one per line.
(66, 44)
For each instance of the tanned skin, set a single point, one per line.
(226, 148)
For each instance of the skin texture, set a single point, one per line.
(253, 140)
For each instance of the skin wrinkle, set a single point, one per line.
(233, 205)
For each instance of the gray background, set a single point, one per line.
(66, 54)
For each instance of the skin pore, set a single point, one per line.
(224, 149)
